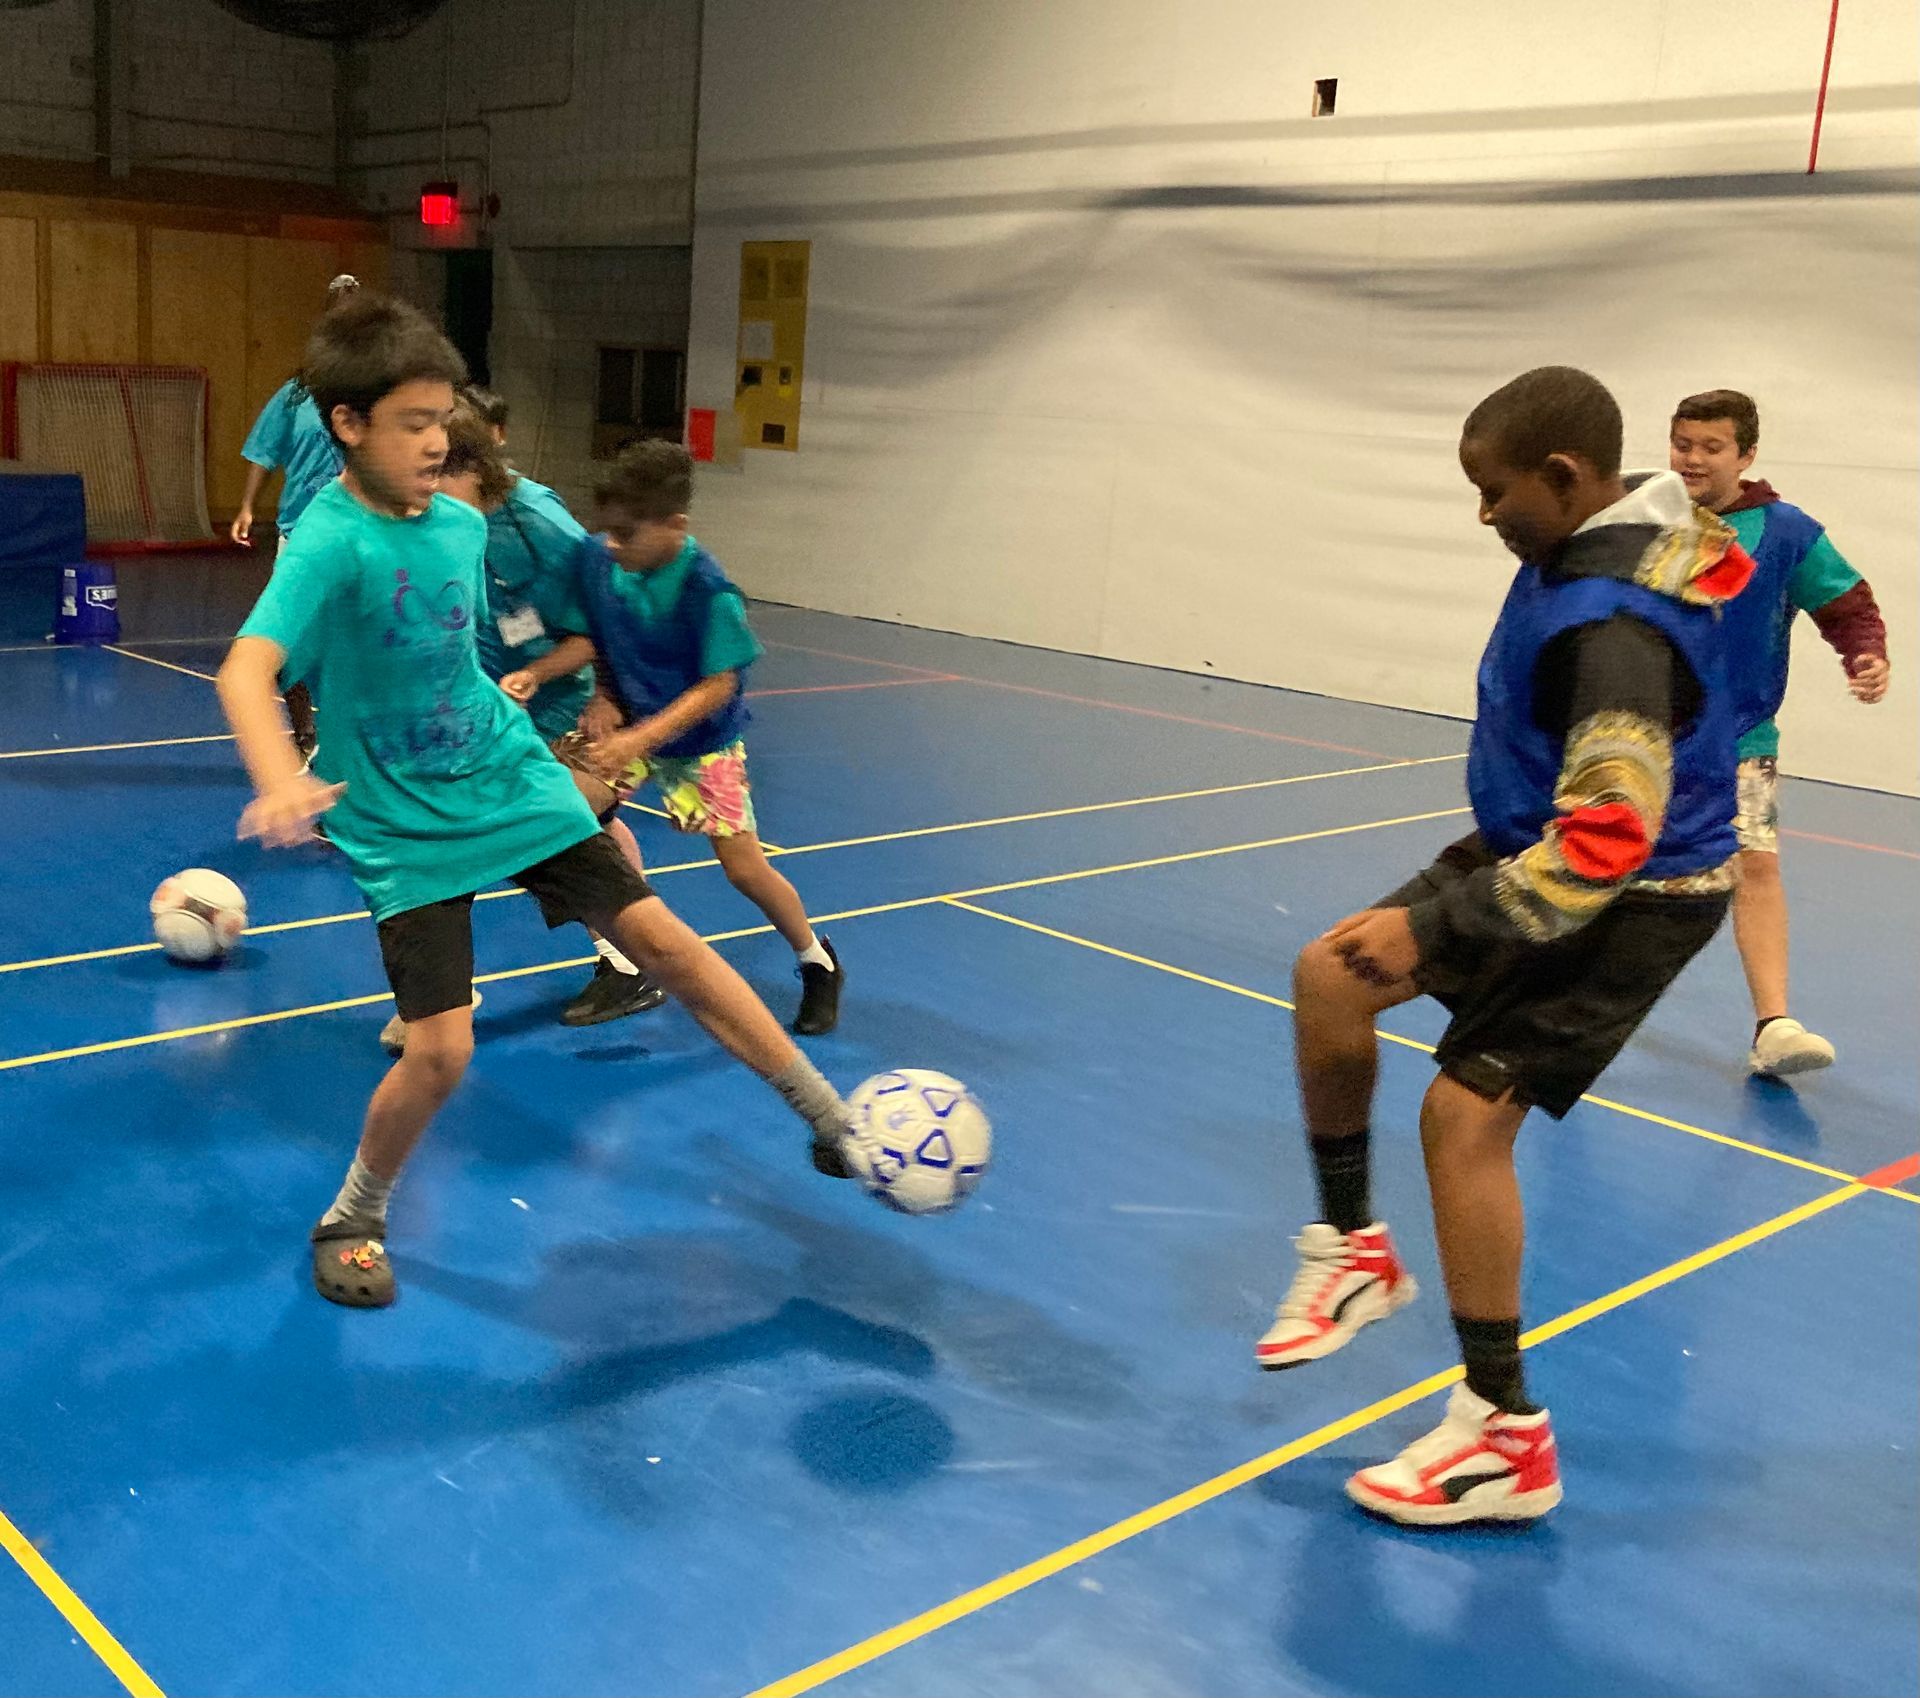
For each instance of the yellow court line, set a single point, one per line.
(1414, 1043)
(107, 748)
(81, 1619)
(287, 926)
(115, 648)
(146, 1038)
(1109, 807)
(772, 849)
(1018, 1580)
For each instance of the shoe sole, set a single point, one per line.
(1521, 1506)
(1402, 1294)
(1789, 1066)
(645, 1005)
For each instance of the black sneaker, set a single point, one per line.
(819, 994)
(611, 995)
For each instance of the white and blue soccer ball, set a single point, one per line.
(198, 915)
(922, 1140)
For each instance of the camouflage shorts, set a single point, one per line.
(1757, 823)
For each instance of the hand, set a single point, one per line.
(611, 756)
(241, 530)
(1867, 676)
(283, 816)
(601, 719)
(1377, 945)
(521, 685)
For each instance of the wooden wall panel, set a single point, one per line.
(95, 291)
(19, 290)
(197, 282)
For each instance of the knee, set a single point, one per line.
(438, 1059)
(1319, 975)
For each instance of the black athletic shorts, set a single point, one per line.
(1545, 1020)
(428, 952)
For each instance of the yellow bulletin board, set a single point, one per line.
(770, 354)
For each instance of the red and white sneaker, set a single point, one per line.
(1345, 1280)
(1479, 1464)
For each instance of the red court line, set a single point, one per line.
(1091, 701)
(872, 684)
(1852, 843)
(1180, 718)
(1894, 1173)
(860, 659)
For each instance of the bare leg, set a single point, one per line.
(749, 871)
(1760, 929)
(414, 1090)
(1468, 1143)
(1335, 1051)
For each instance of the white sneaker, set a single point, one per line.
(1785, 1047)
(1479, 1464)
(393, 1035)
(1345, 1280)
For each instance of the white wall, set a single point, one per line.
(206, 92)
(1112, 349)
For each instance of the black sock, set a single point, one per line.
(1760, 1026)
(1491, 1351)
(1343, 1167)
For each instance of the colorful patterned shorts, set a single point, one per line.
(707, 794)
(1757, 824)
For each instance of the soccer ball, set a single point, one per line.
(198, 915)
(922, 1139)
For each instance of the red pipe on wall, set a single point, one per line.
(1820, 105)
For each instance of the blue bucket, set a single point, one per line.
(89, 610)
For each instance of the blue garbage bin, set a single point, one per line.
(89, 610)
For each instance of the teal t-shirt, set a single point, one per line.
(1817, 580)
(727, 643)
(291, 434)
(531, 538)
(449, 787)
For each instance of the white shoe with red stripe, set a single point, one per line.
(1345, 1280)
(1479, 1464)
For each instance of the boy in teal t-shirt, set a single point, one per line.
(1797, 569)
(528, 571)
(436, 784)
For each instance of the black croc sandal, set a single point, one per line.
(350, 1263)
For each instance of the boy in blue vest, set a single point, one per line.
(670, 630)
(1602, 780)
(1796, 569)
(434, 783)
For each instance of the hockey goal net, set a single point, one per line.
(137, 435)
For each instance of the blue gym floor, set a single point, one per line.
(662, 1411)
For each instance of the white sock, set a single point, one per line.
(363, 1196)
(613, 957)
(815, 955)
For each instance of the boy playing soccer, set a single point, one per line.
(435, 783)
(1602, 779)
(1796, 568)
(671, 633)
(531, 542)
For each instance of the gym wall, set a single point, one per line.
(1113, 348)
